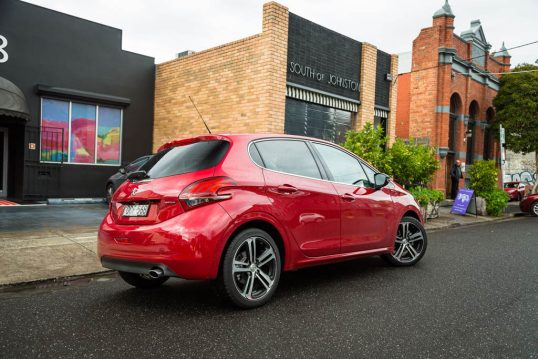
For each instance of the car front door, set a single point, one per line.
(305, 204)
(366, 213)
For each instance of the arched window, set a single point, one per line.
(455, 111)
(488, 140)
(473, 115)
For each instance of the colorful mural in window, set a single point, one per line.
(80, 133)
(54, 130)
(108, 135)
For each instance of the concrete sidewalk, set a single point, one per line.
(449, 220)
(55, 242)
(47, 242)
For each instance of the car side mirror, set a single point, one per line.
(122, 171)
(381, 180)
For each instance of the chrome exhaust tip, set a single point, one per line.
(156, 273)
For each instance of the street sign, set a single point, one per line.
(461, 203)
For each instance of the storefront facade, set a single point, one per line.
(73, 105)
(296, 77)
(446, 87)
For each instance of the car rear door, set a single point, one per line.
(366, 213)
(302, 201)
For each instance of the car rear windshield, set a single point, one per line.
(511, 185)
(184, 159)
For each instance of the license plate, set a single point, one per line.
(136, 210)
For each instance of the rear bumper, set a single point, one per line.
(135, 267)
(187, 246)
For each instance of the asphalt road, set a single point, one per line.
(474, 294)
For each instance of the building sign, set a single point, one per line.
(462, 201)
(331, 79)
(323, 60)
(3, 53)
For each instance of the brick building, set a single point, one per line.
(446, 86)
(294, 77)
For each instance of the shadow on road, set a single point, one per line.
(300, 286)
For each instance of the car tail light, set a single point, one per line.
(206, 191)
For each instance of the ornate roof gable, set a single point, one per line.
(475, 34)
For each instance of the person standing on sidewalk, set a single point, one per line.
(455, 176)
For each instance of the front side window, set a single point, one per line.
(288, 156)
(75, 132)
(343, 167)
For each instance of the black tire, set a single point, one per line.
(534, 209)
(109, 192)
(238, 269)
(142, 281)
(410, 245)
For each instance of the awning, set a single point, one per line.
(12, 101)
(379, 112)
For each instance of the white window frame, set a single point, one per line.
(70, 102)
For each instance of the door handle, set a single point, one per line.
(286, 188)
(348, 197)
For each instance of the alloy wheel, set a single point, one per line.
(534, 208)
(409, 242)
(254, 268)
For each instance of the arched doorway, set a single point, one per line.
(488, 140)
(455, 113)
(470, 135)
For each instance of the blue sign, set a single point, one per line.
(462, 201)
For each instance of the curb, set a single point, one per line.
(10, 287)
(511, 216)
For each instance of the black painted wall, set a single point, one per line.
(382, 85)
(55, 49)
(326, 51)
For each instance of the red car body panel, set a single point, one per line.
(314, 222)
(527, 202)
(514, 193)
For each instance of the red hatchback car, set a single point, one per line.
(243, 208)
(529, 204)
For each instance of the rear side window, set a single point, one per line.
(184, 159)
(136, 164)
(288, 156)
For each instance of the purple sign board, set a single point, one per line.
(462, 201)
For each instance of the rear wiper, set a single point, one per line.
(137, 175)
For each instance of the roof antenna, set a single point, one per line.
(199, 114)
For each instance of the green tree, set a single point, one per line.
(516, 106)
(483, 177)
(411, 164)
(483, 180)
(369, 144)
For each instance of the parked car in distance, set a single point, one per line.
(515, 190)
(529, 204)
(119, 177)
(240, 209)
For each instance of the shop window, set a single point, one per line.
(109, 135)
(54, 130)
(80, 133)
